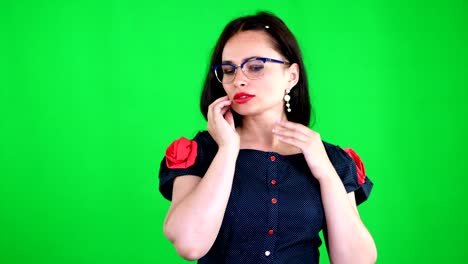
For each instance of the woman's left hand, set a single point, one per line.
(309, 142)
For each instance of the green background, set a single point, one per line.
(92, 92)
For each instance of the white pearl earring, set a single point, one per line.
(286, 99)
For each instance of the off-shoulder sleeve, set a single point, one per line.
(345, 165)
(185, 157)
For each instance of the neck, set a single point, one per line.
(256, 131)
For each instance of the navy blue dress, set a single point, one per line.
(275, 211)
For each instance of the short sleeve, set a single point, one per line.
(204, 153)
(347, 170)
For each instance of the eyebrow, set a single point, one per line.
(246, 59)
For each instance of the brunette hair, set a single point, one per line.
(284, 43)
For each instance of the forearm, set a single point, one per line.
(348, 239)
(193, 224)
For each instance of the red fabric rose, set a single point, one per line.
(181, 153)
(361, 172)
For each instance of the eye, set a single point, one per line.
(255, 67)
(228, 70)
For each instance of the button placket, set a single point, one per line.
(272, 187)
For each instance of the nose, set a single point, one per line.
(240, 79)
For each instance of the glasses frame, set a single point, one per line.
(215, 67)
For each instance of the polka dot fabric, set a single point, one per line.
(275, 211)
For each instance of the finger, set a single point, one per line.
(289, 125)
(291, 141)
(217, 107)
(224, 109)
(230, 118)
(217, 101)
(221, 102)
(294, 127)
(288, 133)
(222, 98)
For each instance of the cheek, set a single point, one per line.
(275, 87)
(229, 90)
(278, 78)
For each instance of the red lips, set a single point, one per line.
(242, 98)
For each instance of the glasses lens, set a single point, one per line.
(225, 73)
(254, 69)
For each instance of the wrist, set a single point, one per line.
(324, 173)
(229, 149)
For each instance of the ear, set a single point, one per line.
(293, 75)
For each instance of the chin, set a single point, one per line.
(246, 111)
(242, 109)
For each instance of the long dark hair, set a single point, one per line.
(284, 42)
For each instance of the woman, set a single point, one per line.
(259, 185)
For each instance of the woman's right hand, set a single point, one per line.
(221, 123)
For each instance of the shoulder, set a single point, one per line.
(345, 160)
(350, 168)
(204, 138)
(201, 139)
(183, 152)
(344, 157)
(207, 146)
(186, 157)
(337, 155)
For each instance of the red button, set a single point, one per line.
(274, 200)
(271, 232)
(273, 158)
(273, 182)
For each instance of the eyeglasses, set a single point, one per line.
(253, 68)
